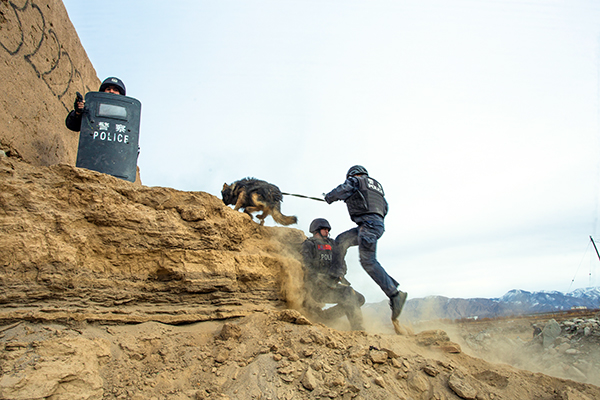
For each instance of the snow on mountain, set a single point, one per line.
(590, 292)
(514, 302)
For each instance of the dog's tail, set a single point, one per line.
(283, 219)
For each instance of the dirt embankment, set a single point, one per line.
(265, 355)
(112, 290)
(119, 291)
(80, 245)
(563, 347)
(42, 65)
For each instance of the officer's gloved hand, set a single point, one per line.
(79, 103)
(333, 280)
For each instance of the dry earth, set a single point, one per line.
(42, 65)
(266, 355)
(114, 290)
(563, 345)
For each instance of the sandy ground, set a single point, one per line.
(269, 355)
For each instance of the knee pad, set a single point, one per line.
(360, 299)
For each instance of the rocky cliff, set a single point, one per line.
(42, 65)
(114, 290)
(77, 244)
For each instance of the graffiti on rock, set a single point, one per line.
(39, 45)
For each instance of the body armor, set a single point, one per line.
(323, 254)
(368, 199)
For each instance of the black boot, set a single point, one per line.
(396, 303)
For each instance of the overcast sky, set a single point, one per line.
(480, 118)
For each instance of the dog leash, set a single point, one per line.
(304, 197)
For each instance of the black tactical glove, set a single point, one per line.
(78, 99)
(333, 280)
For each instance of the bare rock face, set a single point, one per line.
(457, 383)
(112, 290)
(42, 65)
(76, 244)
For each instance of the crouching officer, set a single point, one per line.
(367, 207)
(318, 254)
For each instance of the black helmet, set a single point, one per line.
(112, 81)
(356, 170)
(318, 224)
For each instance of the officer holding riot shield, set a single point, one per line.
(109, 130)
(110, 85)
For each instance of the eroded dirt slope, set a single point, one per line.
(265, 355)
(112, 290)
(42, 65)
(76, 244)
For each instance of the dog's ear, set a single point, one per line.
(225, 186)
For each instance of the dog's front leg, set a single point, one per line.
(240, 201)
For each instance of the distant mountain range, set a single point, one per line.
(515, 302)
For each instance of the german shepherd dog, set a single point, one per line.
(253, 195)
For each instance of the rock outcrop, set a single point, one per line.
(113, 290)
(42, 65)
(81, 245)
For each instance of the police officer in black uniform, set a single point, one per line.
(109, 85)
(366, 203)
(318, 254)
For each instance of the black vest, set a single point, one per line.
(323, 254)
(368, 199)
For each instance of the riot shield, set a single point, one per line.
(108, 139)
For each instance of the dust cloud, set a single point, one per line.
(573, 354)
